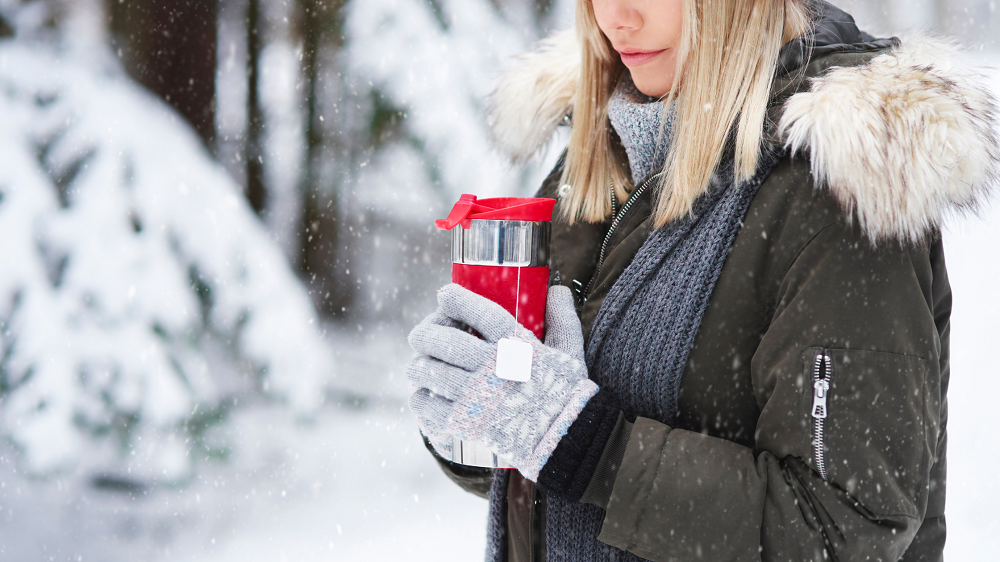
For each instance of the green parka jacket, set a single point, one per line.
(836, 275)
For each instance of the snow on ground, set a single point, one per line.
(353, 484)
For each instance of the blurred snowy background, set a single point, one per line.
(215, 232)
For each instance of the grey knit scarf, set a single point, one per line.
(665, 290)
(636, 118)
(642, 336)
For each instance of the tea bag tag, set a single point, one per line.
(514, 360)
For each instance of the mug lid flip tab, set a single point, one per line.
(470, 207)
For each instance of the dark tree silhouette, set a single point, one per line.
(170, 47)
(321, 22)
(256, 189)
(312, 13)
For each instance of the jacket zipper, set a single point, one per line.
(614, 199)
(614, 225)
(822, 376)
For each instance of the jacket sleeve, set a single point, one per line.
(856, 488)
(472, 479)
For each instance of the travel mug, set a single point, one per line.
(500, 250)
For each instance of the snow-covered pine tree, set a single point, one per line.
(139, 295)
(414, 92)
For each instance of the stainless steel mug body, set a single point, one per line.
(507, 262)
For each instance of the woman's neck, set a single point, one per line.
(636, 118)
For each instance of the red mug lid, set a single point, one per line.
(470, 207)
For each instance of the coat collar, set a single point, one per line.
(901, 140)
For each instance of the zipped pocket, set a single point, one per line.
(822, 376)
(868, 421)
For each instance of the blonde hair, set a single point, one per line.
(727, 59)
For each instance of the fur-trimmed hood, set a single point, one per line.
(902, 140)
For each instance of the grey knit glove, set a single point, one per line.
(458, 391)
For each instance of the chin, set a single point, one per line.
(652, 89)
(653, 86)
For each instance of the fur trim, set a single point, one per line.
(534, 96)
(902, 141)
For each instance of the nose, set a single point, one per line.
(617, 15)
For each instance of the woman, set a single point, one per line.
(748, 223)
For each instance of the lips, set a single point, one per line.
(635, 57)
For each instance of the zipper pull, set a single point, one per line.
(819, 398)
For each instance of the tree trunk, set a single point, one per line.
(311, 40)
(256, 189)
(319, 246)
(170, 47)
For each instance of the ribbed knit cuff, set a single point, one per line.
(568, 472)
